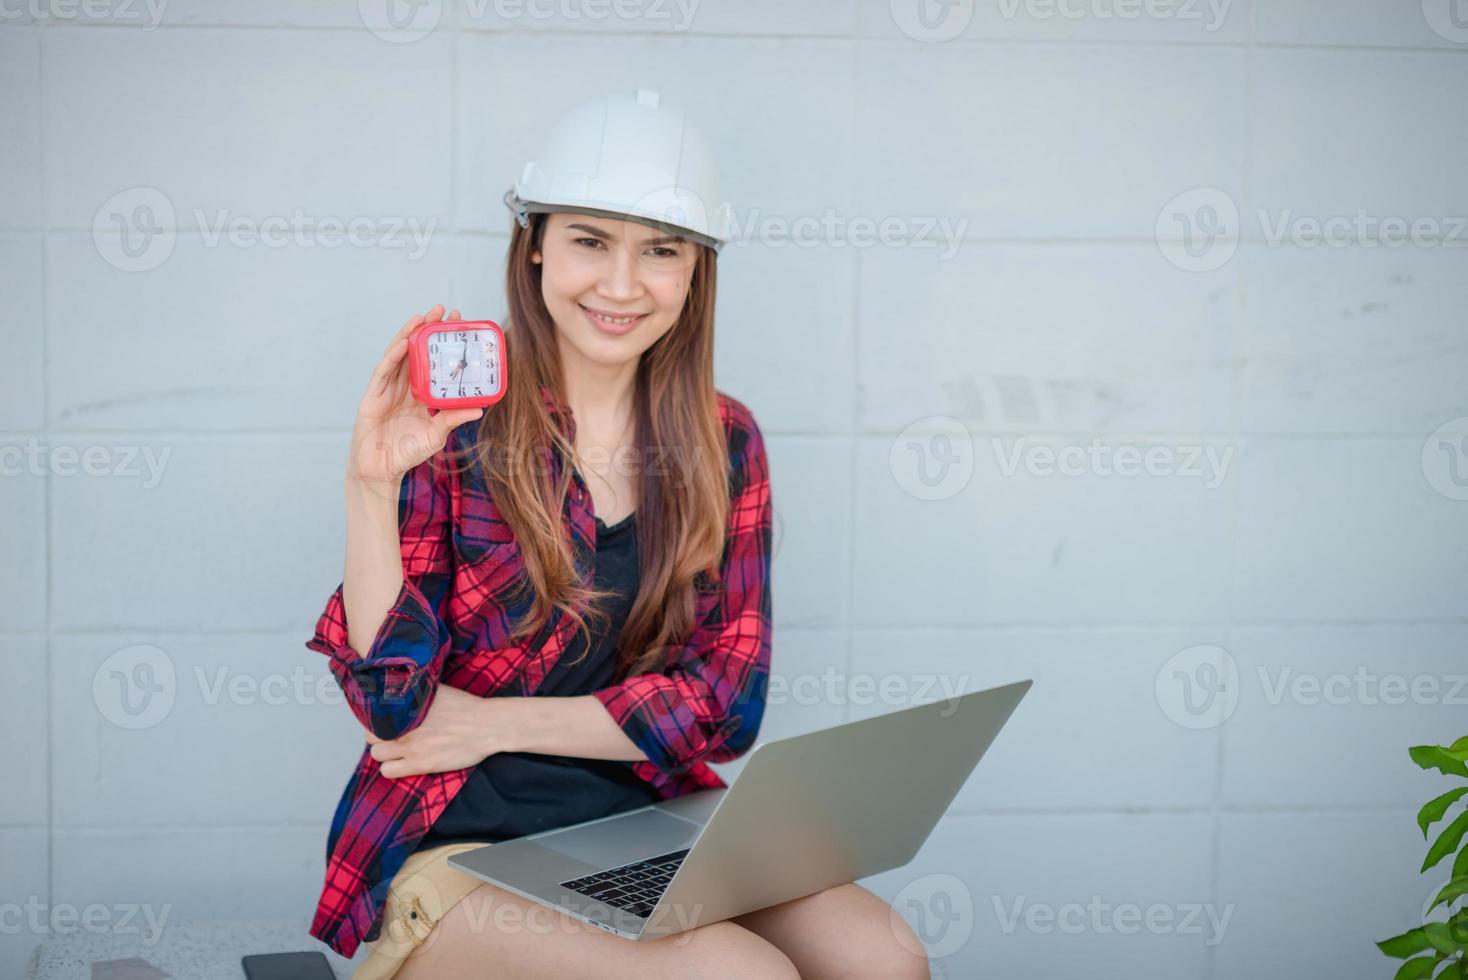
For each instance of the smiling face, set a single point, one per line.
(613, 287)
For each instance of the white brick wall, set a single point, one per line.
(1048, 149)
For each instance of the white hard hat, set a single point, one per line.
(627, 156)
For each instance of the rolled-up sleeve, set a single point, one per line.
(390, 689)
(709, 704)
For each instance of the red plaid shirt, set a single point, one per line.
(450, 624)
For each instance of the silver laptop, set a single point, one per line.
(806, 813)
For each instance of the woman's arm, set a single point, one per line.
(373, 573)
(384, 627)
(707, 706)
(572, 726)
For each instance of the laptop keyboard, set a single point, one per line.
(634, 887)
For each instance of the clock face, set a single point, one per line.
(464, 363)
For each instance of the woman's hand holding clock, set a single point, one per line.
(394, 432)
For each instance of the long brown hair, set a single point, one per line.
(679, 443)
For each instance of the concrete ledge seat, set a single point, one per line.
(185, 951)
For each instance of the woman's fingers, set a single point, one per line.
(382, 375)
(383, 751)
(447, 421)
(403, 331)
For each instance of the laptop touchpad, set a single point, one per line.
(638, 835)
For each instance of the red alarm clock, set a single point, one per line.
(457, 363)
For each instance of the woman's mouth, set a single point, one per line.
(610, 323)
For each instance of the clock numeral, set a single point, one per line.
(443, 392)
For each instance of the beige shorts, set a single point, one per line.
(421, 894)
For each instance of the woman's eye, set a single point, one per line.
(666, 253)
(591, 240)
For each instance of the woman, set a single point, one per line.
(532, 639)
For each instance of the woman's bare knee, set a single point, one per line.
(723, 951)
(492, 932)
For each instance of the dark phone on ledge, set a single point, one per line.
(287, 966)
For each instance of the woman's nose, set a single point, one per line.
(622, 276)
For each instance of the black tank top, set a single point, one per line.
(510, 794)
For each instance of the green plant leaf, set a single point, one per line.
(1461, 745)
(1436, 757)
(1456, 888)
(1403, 946)
(1434, 811)
(1442, 937)
(1458, 928)
(1460, 864)
(1452, 970)
(1447, 842)
(1419, 968)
